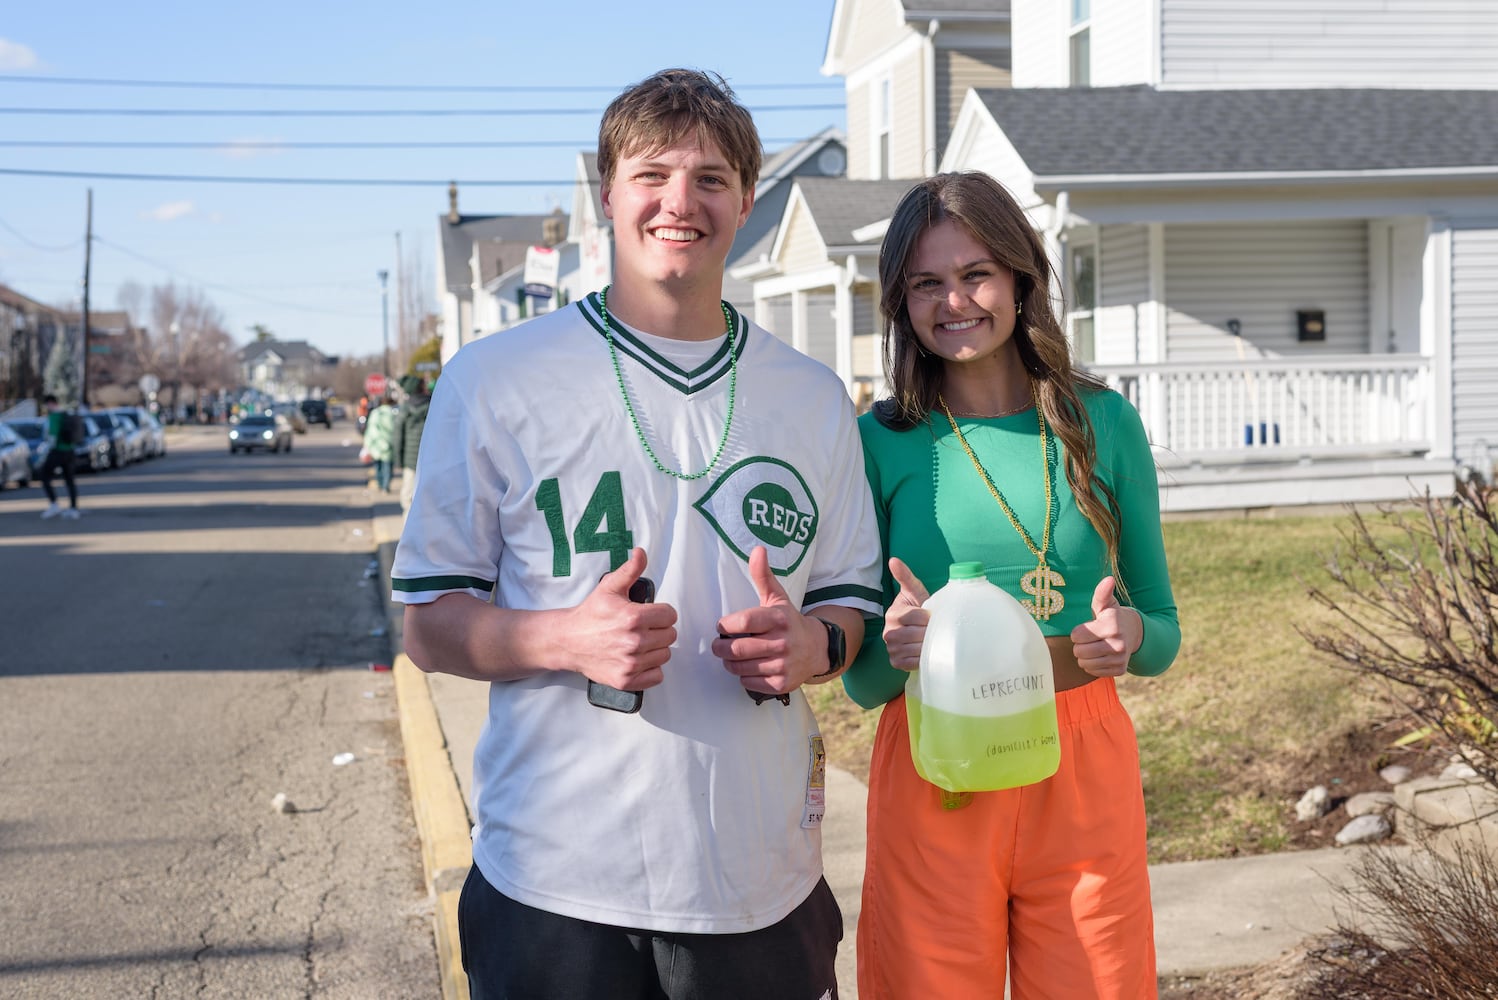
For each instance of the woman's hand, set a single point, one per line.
(905, 621)
(1103, 646)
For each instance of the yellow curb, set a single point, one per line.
(441, 817)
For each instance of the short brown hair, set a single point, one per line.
(671, 106)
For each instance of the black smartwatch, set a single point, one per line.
(837, 648)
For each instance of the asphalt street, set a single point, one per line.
(198, 642)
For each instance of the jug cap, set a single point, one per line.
(967, 571)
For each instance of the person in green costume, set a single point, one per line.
(994, 447)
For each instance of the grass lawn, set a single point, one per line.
(1248, 717)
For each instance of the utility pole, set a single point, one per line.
(401, 343)
(88, 253)
(385, 317)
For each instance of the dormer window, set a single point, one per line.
(1079, 44)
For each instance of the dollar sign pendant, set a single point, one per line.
(1041, 583)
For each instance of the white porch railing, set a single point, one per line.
(1280, 409)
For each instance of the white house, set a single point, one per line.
(1276, 223)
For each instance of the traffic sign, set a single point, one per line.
(374, 384)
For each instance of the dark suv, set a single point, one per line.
(316, 412)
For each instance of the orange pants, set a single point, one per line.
(1052, 876)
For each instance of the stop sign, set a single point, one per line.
(374, 384)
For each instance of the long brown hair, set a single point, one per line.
(981, 206)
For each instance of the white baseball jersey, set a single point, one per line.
(702, 812)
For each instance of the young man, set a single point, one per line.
(59, 459)
(670, 847)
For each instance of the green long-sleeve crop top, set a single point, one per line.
(934, 509)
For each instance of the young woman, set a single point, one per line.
(995, 448)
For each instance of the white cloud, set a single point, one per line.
(14, 55)
(168, 211)
(244, 149)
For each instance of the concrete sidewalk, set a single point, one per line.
(1208, 914)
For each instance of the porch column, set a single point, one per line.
(1435, 337)
(843, 292)
(761, 309)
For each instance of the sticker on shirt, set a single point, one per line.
(763, 501)
(816, 785)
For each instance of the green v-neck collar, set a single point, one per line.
(630, 345)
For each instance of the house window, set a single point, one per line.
(883, 123)
(1081, 274)
(1079, 43)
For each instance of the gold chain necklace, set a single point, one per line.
(1042, 581)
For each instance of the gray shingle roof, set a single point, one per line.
(458, 239)
(1141, 131)
(840, 206)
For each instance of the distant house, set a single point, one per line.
(286, 369)
(28, 329)
(907, 66)
(472, 250)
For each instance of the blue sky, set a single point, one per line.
(302, 259)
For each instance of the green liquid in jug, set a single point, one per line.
(1019, 749)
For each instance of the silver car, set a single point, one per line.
(265, 431)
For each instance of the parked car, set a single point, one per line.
(293, 415)
(94, 454)
(266, 431)
(33, 430)
(316, 412)
(15, 458)
(118, 432)
(153, 437)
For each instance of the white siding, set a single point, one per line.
(1122, 49)
(873, 26)
(1123, 263)
(1039, 28)
(992, 153)
(1260, 274)
(1474, 341)
(860, 106)
(1372, 43)
(802, 247)
(908, 155)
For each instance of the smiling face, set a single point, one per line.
(675, 213)
(959, 299)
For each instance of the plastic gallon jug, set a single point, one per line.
(982, 706)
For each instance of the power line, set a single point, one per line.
(37, 246)
(359, 112)
(393, 88)
(225, 288)
(275, 144)
(318, 181)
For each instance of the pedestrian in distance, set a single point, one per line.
(993, 447)
(650, 781)
(409, 424)
(379, 441)
(64, 435)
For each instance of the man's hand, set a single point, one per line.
(1103, 646)
(613, 641)
(772, 649)
(905, 621)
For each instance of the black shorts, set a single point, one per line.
(516, 952)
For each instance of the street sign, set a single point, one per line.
(374, 384)
(149, 383)
(542, 267)
(427, 366)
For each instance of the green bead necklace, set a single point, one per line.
(733, 382)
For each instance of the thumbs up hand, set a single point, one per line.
(615, 641)
(1103, 646)
(905, 621)
(771, 648)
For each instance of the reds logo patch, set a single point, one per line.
(763, 501)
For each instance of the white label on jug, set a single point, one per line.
(1010, 685)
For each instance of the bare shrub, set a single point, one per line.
(1425, 927)
(1414, 605)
